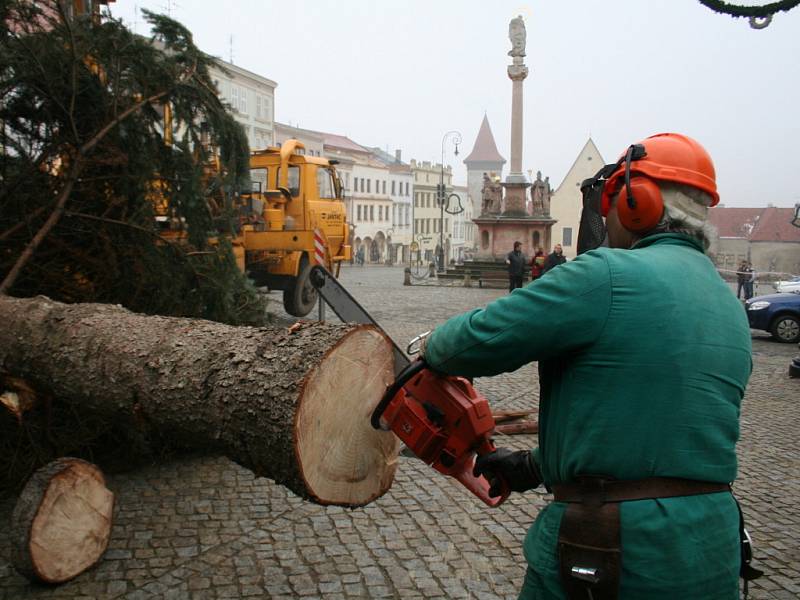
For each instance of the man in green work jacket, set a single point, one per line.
(644, 354)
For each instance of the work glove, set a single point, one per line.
(516, 469)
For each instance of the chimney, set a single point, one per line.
(397, 154)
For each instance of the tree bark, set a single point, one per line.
(61, 523)
(292, 405)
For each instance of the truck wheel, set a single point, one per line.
(300, 297)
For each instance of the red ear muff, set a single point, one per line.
(640, 205)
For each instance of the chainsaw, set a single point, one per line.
(443, 420)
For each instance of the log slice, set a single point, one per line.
(61, 523)
(343, 459)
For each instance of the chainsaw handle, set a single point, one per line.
(480, 485)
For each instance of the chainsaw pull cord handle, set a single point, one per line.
(402, 378)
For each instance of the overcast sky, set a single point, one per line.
(401, 74)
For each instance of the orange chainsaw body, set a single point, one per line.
(444, 421)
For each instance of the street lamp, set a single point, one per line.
(443, 198)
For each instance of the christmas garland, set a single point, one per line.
(760, 16)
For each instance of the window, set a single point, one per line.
(371, 213)
(383, 187)
(265, 109)
(436, 226)
(243, 100)
(362, 184)
(406, 188)
(380, 213)
(235, 97)
(325, 183)
(369, 186)
(447, 224)
(294, 179)
(358, 212)
(393, 188)
(258, 179)
(258, 106)
(567, 239)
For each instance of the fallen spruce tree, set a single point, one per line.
(290, 404)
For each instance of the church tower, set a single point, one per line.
(484, 158)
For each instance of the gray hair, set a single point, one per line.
(686, 212)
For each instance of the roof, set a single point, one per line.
(292, 129)
(341, 141)
(385, 157)
(734, 222)
(485, 148)
(588, 152)
(770, 224)
(775, 226)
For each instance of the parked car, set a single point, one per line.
(777, 313)
(790, 285)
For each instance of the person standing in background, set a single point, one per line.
(517, 262)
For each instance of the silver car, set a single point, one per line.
(790, 285)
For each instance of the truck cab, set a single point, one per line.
(294, 218)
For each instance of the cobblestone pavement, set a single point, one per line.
(202, 527)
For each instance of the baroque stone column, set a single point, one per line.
(516, 182)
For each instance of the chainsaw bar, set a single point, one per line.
(349, 310)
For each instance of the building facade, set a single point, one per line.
(401, 190)
(251, 99)
(566, 202)
(368, 199)
(312, 140)
(463, 228)
(427, 213)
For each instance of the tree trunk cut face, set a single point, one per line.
(344, 460)
(71, 511)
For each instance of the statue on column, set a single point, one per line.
(497, 195)
(517, 35)
(486, 194)
(491, 195)
(540, 195)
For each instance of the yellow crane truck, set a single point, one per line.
(294, 218)
(297, 220)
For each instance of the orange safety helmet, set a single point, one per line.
(662, 157)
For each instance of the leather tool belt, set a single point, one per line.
(589, 545)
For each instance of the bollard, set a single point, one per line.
(407, 276)
(467, 279)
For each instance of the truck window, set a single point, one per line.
(325, 183)
(258, 177)
(294, 179)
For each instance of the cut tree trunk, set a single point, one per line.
(291, 405)
(61, 523)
